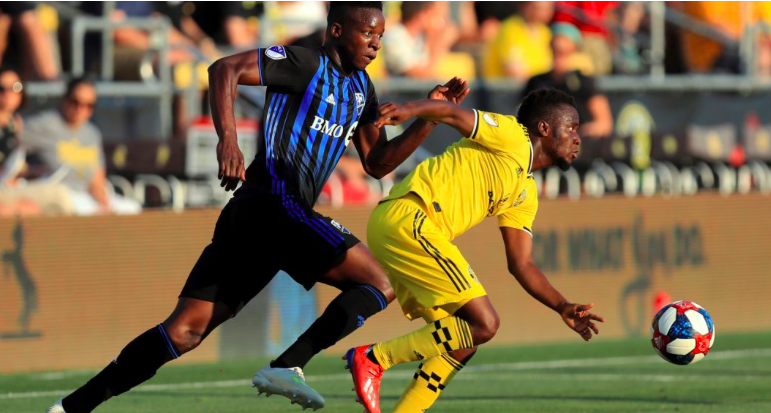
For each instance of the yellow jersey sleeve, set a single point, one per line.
(521, 214)
(500, 133)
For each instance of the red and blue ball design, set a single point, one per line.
(682, 332)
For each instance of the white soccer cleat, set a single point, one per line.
(56, 408)
(290, 383)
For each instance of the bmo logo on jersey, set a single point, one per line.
(334, 130)
(322, 125)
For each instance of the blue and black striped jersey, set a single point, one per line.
(311, 111)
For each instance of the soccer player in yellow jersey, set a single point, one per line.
(486, 174)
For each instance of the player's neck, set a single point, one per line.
(540, 158)
(335, 56)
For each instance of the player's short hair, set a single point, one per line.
(540, 104)
(411, 8)
(340, 11)
(75, 82)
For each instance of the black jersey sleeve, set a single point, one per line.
(371, 102)
(290, 67)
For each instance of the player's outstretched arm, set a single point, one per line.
(449, 113)
(224, 77)
(519, 247)
(379, 155)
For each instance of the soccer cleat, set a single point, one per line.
(366, 378)
(56, 408)
(288, 382)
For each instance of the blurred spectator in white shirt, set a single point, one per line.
(69, 145)
(414, 47)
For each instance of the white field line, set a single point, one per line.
(469, 373)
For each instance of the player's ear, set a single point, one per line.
(336, 30)
(543, 128)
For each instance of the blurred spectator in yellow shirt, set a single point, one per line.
(521, 48)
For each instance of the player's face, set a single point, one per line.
(360, 39)
(565, 141)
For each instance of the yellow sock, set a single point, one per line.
(436, 338)
(429, 381)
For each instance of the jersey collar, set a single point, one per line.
(337, 69)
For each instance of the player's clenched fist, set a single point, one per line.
(231, 164)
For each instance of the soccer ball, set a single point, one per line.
(682, 332)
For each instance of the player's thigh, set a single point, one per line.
(358, 267)
(318, 248)
(429, 274)
(238, 263)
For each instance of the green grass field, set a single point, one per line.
(601, 376)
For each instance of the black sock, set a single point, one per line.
(137, 363)
(344, 314)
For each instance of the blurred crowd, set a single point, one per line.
(423, 39)
(53, 161)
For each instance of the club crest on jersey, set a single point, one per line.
(521, 198)
(276, 52)
(491, 119)
(340, 227)
(359, 103)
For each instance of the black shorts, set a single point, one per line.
(255, 238)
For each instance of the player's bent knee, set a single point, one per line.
(379, 280)
(185, 337)
(387, 290)
(484, 329)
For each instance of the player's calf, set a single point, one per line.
(135, 364)
(143, 356)
(347, 312)
(430, 380)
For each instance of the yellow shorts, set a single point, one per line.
(431, 278)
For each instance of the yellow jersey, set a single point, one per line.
(486, 174)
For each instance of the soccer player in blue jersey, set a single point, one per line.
(317, 102)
